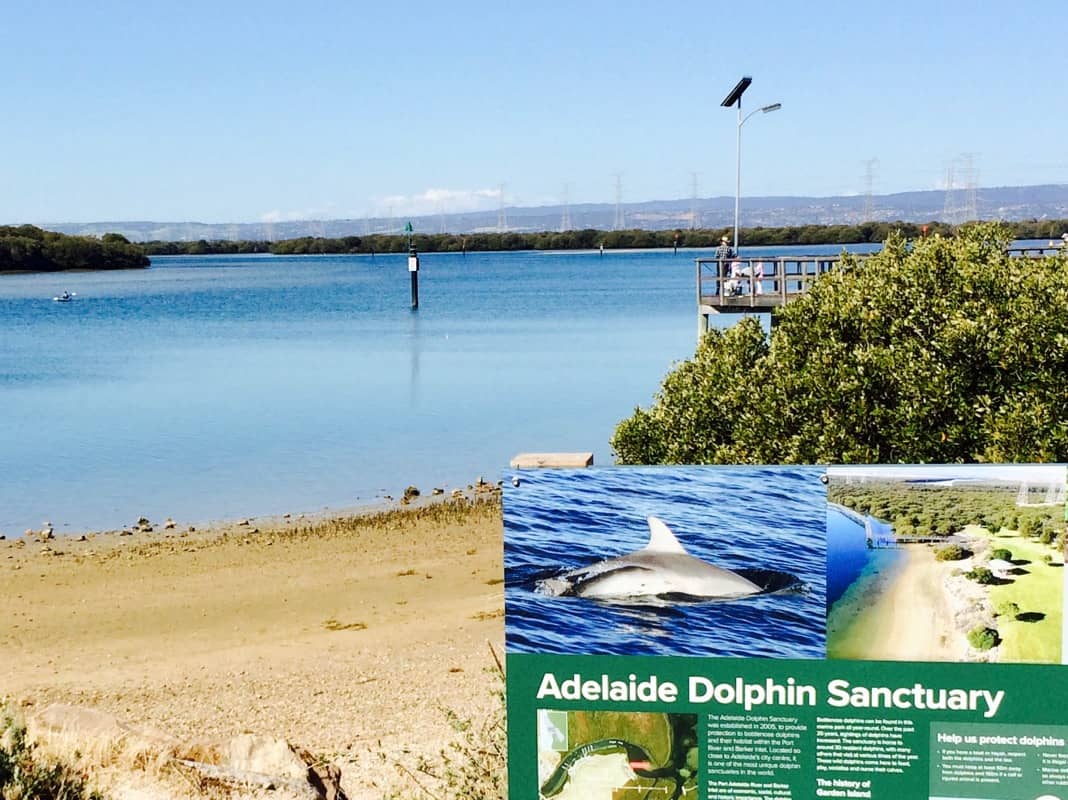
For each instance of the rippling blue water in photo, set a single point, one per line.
(771, 518)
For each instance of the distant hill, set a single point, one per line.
(1010, 203)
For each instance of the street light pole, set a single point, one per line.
(735, 98)
(738, 176)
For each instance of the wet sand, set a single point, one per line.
(904, 612)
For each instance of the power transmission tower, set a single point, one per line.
(618, 223)
(949, 209)
(565, 216)
(971, 180)
(869, 183)
(502, 220)
(693, 201)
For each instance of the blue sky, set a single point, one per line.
(240, 111)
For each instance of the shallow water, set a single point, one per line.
(212, 387)
(847, 552)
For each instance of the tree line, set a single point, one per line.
(30, 249)
(923, 510)
(590, 239)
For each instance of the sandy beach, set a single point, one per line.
(350, 637)
(913, 610)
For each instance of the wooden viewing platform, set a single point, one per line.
(548, 460)
(757, 284)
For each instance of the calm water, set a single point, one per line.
(850, 562)
(771, 518)
(215, 387)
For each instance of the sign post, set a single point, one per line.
(413, 267)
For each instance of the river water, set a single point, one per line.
(212, 387)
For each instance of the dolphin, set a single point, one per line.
(662, 567)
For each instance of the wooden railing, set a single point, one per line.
(740, 284)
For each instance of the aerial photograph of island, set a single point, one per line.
(946, 563)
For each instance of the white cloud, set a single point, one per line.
(434, 201)
(298, 215)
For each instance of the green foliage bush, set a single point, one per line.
(1007, 608)
(952, 552)
(935, 351)
(25, 776)
(981, 575)
(1001, 553)
(982, 638)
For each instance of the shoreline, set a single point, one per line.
(907, 611)
(64, 531)
(341, 634)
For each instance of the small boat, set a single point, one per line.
(66, 297)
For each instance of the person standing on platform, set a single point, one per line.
(724, 253)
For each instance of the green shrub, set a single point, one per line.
(952, 552)
(1002, 553)
(1007, 608)
(24, 775)
(474, 764)
(981, 575)
(982, 638)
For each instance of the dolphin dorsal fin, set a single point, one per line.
(661, 539)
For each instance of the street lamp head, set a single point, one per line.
(772, 107)
(736, 93)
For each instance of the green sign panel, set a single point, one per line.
(785, 633)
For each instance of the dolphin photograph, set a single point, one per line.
(702, 561)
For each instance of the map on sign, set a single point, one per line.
(611, 755)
